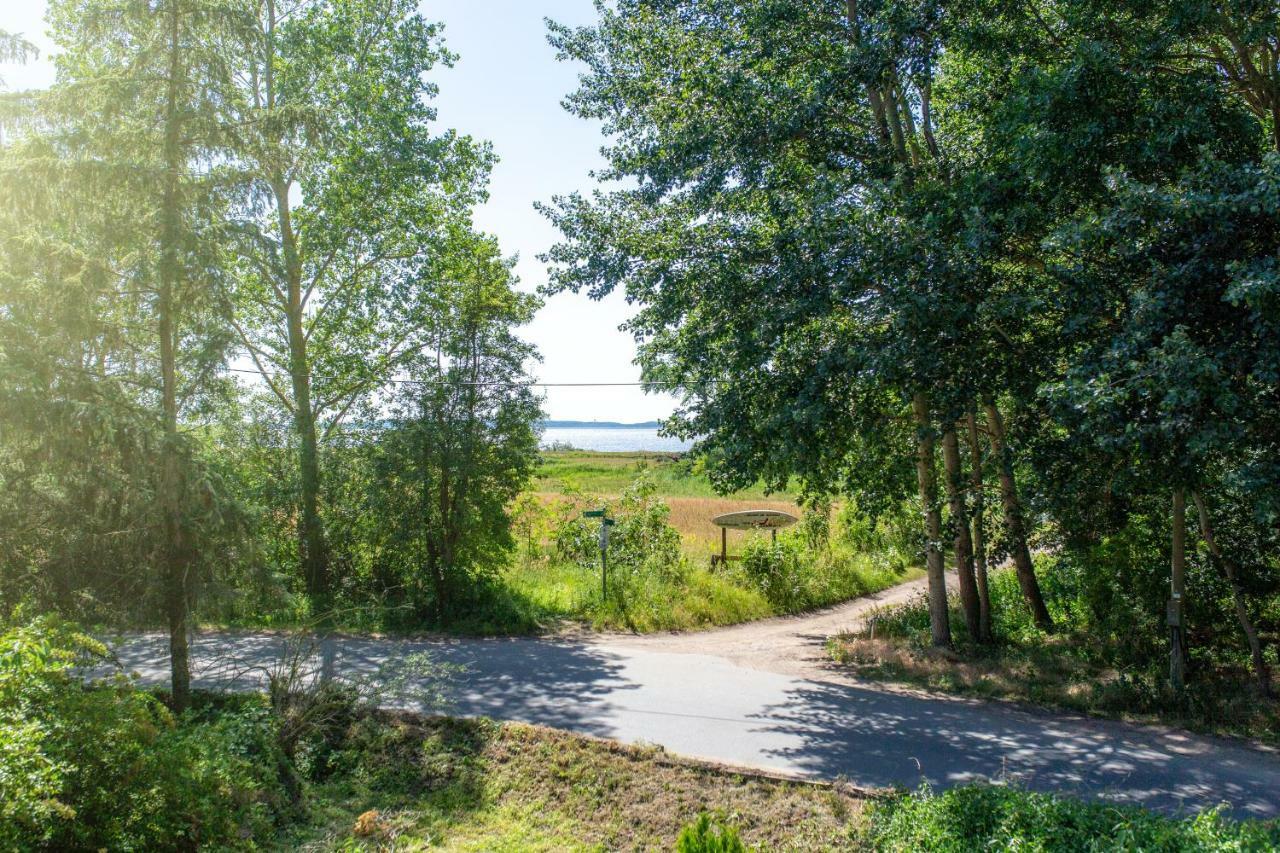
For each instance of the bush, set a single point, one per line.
(702, 836)
(892, 539)
(103, 765)
(645, 563)
(777, 569)
(990, 817)
(794, 577)
(643, 538)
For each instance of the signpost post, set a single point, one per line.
(605, 524)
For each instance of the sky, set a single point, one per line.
(506, 87)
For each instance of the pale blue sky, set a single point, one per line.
(506, 87)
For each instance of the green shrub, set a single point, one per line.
(794, 577)
(1010, 617)
(778, 569)
(103, 765)
(990, 817)
(702, 836)
(909, 621)
(641, 537)
(815, 524)
(891, 538)
(645, 562)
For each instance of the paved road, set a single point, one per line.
(805, 719)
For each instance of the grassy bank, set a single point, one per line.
(475, 785)
(1077, 668)
(692, 598)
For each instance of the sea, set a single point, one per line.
(613, 439)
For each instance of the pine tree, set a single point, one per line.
(116, 164)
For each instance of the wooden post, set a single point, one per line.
(604, 558)
(724, 545)
(773, 531)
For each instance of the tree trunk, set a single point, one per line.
(1228, 570)
(939, 621)
(314, 548)
(311, 538)
(444, 564)
(312, 544)
(175, 553)
(963, 544)
(1013, 521)
(1177, 586)
(979, 538)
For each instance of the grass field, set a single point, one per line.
(691, 593)
(680, 484)
(609, 473)
(691, 516)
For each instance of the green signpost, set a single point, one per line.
(605, 524)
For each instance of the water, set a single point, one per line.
(614, 440)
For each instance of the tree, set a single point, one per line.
(1183, 387)
(15, 48)
(793, 240)
(116, 162)
(1060, 99)
(461, 443)
(348, 194)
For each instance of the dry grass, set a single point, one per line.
(1059, 677)
(691, 516)
(1052, 672)
(479, 785)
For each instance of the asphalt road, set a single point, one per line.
(803, 720)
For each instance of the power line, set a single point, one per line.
(504, 383)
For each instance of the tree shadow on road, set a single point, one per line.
(885, 738)
(550, 683)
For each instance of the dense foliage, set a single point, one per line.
(459, 446)
(107, 766)
(984, 282)
(1038, 237)
(989, 817)
(242, 301)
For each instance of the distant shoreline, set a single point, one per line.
(598, 425)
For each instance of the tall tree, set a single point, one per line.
(119, 151)
(963, 542)
(790, 240)
(978, 539)
(349, 193)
